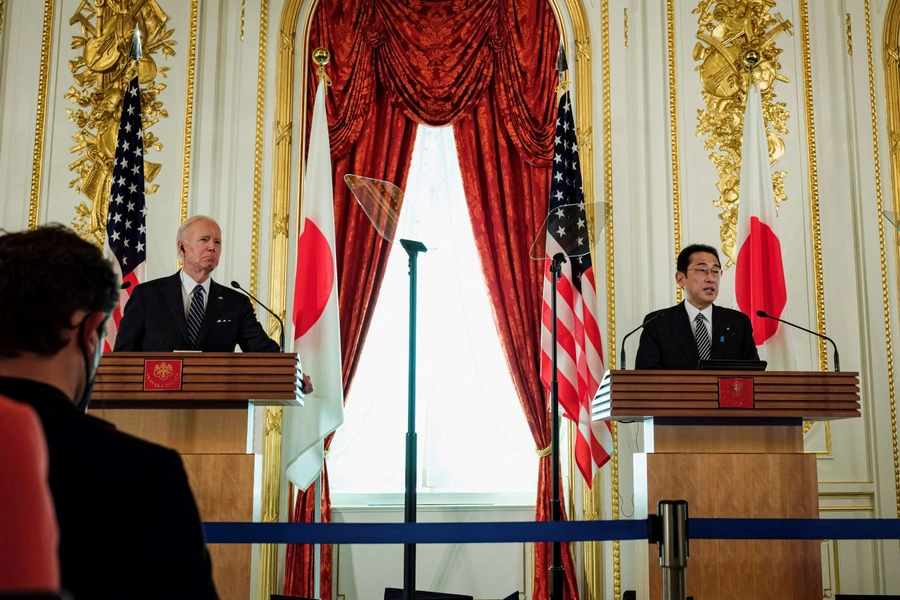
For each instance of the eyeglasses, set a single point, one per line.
(704, 271)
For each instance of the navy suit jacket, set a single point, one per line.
(154, 321)
(668, 341)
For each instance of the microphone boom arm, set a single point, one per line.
(837, 358)
(642, 325)
(237, 286)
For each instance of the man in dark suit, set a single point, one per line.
(188, 310)
(128, 523)
(680, 336)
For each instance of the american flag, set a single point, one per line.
(579, 345)
(126, 230)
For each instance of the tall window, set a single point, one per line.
(474, 443)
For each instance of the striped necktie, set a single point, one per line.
(195, 316)
(702, 336)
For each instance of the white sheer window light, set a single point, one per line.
(473, 440)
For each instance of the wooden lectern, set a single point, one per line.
(731, 444)
(197, 403)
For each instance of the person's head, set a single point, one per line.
(698, 271)
(58, 292)
(199, 243)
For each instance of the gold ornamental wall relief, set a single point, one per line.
(101, 72)
(731, 33)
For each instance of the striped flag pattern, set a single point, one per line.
(579, 345)
(126, 230)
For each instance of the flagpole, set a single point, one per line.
(317, 548)
(321, 57)
(557, 571)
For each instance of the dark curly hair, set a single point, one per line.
(684, 257)
(46, 276)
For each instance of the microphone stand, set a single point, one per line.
(413, 248)
(557, 571)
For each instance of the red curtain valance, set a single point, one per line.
(435, 60)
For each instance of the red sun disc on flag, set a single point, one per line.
(315, 278)
(759, 279)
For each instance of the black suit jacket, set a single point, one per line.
(128, 523)
(154, 321)
(668, 341)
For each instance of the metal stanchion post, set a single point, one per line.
(673, 547)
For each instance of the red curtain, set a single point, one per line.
(487, 66)
(507, 194)
(362, 256)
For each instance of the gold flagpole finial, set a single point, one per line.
(322, 57)
(751, 59)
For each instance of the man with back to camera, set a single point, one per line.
(695, 329)
(128, 523)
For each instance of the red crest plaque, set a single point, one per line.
(162, 375)
(735, 392)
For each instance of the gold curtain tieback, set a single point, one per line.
(543, 452)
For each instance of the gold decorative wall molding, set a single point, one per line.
(834, 577)
(278, 262)
(258, 145)
(592, 500)
(728, 29)
(813, 183)
(243, 9)
(610, 277)
(673, 133)
(189, 112)
(101, 73)
(891, 66)
(849, 36)
(1, 16)
(40, 121)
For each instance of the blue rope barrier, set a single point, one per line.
(794, 529)
(567, 531)
(423, 533)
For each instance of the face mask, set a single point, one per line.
(89, 365)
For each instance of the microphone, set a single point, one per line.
(125, 285)
(237, 286)
(642, 325)
(837, 359)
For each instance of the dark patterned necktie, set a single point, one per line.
(195, 316)
(702, 336)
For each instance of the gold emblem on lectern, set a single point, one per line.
(163, 370)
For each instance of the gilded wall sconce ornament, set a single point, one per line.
(737, 46)
(101, 72)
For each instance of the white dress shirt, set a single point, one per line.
(692, 314)
(187, 292)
